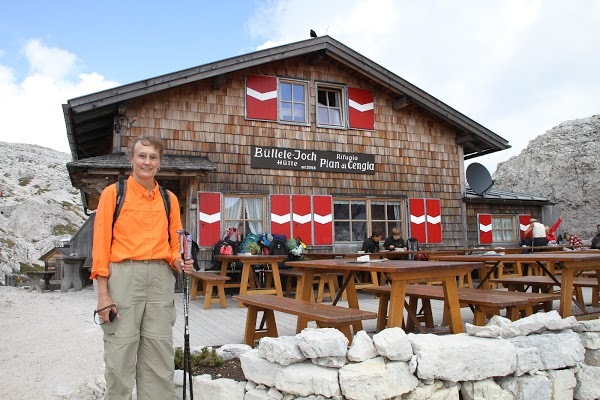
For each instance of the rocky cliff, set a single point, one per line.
(38, 205)
(562, 164)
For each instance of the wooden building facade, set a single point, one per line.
(309, 139)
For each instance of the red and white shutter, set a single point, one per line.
(485, 228)
(417, 219)
(361, 109)
(281, 216)
(434, 220)
(323, 220)
(209, 218)
(261, 97)
(523, 224)
(302, 217)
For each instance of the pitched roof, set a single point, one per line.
(498, 195)
(89, 119)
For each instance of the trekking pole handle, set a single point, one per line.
(188, 253)
(182, 243)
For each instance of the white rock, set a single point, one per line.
(231, 351)
(557, 349)
(375, 379)
(282, 350)
(362, 348)
(485, 389)
(322, 342)
(462, 357)
(393, 344)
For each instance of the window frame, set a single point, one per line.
(299, 82)
(389, 223)
(496, 227)
(243, 220)
(343, 104)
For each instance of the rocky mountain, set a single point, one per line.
(562, 164)
(38, 205)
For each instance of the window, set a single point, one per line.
(244, 212)
(504, 229)
(293, 101)
(355, 219)
(329, 107)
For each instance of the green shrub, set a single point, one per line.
(206, 357)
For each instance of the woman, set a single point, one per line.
(133, 263)
(395, 241)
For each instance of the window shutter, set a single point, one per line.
(417, 219)
(523, 224)
(361, 109)
(485, 228)
(281, 215)
(209, 218)
(434, 220)
(261, 97)
(302, 217)
(323, 220)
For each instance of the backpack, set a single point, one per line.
(278, 246)
(251, 237)
(225, 246)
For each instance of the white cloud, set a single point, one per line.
(33, 105)
(517, 67)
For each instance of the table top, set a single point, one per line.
(385, 265)
(568, 256)
(256, 259)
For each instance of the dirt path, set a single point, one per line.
(50, 347)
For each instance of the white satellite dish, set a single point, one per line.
(479, 179)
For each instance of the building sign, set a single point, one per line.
(312, 160)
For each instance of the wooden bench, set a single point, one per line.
(209, 281)
(322, 279)
(483, 302)
(544, 283)
(325, 315)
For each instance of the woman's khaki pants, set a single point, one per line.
(138, 345)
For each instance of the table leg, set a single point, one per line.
(276, 279)
(453, 305)
(566, 291)
(306, 290)
(244, 281)
(352, 298)
(396, 310)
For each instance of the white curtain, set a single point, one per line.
(255, 215)
(233, 213)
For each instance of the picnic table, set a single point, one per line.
(35, 277)
(568, 262)
(399, 273)
(248, 261)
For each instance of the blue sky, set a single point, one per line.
(517, 67)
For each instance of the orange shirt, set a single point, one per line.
(140, 232)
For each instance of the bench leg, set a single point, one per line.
(252, 333)
(194, 291)
(512, 313)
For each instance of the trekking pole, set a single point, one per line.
(185, 251)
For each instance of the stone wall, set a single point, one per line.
(539, 357)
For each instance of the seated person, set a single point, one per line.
(573, 240)
(395, 241)
(596, 239)
(550, 233)
(371, 245)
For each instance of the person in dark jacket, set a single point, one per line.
(371, 245)
(395, 241)
(596, 239)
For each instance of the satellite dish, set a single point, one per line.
(479, 179)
